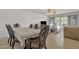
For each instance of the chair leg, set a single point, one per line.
(30, 45)
(8, 40)
(25, 44)
(45, 47)
(13, 43)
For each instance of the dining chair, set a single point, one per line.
(12, 39)
(40, 41)
(16, 25)
(31, 26)
(36, 26)
(7, 26)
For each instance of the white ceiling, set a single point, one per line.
(40, 11)
(62, 11)
(58, 11)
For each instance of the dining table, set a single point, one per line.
(24, 33)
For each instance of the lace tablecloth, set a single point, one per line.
(25, 33)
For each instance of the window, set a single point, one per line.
(62, 20)
(57, 20)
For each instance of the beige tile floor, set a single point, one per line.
(52, 42)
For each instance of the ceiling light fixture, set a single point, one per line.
(50, 12)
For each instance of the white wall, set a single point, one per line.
(23, 17)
